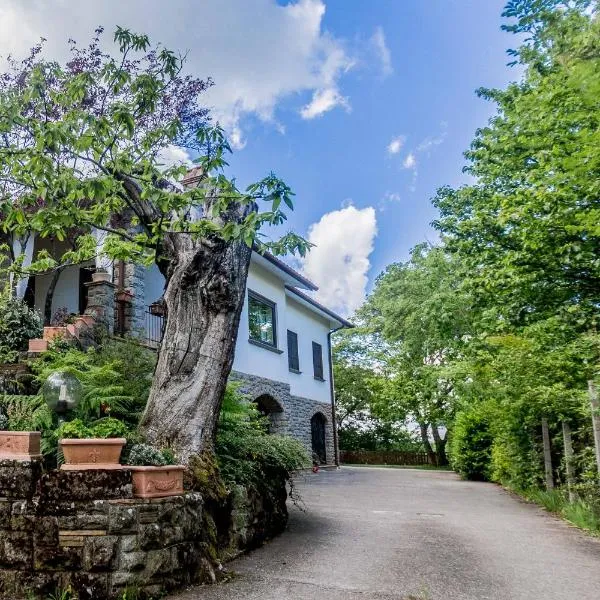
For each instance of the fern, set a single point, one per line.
(115, 380)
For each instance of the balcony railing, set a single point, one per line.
(154, 328)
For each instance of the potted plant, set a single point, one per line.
(18, 445)
(97, 446)
(154, 472)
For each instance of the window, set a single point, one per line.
(318, 360)
(293, 358)
(261, 318)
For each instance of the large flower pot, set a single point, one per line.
(19, 445)
(92, 453)
(157, 482)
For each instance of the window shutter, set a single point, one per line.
(317, 360)
(292, 344)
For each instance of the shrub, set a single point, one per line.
(144, 454)
(471, 444)
(18, 324)
(246, 452)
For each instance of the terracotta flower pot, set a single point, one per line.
(53, 333)
(92, 453)
(101, 276)
(20, 445)
(157, 482)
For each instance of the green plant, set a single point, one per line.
(246, 453)
(75, 429)
(146, 455)
(63, 594)
(18, 324)
(25, 413)
(109, 427)
(104, 428)
(471, 444)
(116, 378)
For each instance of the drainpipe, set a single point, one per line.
(332, 391)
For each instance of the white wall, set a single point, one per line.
(252, 359)
(310, 328)
(66, 293)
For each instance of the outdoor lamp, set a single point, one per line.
(62, 393)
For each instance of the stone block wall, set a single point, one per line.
(85, 530)
(294, 419)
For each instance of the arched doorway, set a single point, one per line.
(270, 407)
(317, 428)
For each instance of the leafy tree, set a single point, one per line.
(80, 149)
(528, 228)
(421, 312)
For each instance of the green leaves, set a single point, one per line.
(82, 145)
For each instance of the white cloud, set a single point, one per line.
(383, 52)
(430, 142)
(339, 262)
(322, 102)
(396, 144)
(258, 52)
(410, 162)
(387, 199)
(173, 155)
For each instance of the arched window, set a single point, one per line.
(270, 407)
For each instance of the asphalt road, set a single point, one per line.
(381, 534)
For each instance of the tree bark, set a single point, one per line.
(204, 295)
(50, 295)
(595, 405)
(440, 446)
(569, 468)
(427, 444)
(547, 455)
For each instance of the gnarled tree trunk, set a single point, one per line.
(204, 295)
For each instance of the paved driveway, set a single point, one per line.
(371, 533)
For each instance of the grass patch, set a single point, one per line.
(579, 513)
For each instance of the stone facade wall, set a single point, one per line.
(85, 530)
(101, 303)
(134, 283)
(294, 420)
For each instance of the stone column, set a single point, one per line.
(135, 284)
(101, 300)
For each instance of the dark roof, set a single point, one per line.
(318, 305)
(287, 269)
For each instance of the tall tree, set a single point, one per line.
(528, 228)
(419, 308)
(80, 146)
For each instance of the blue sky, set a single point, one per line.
(317, 91)
(441, 51)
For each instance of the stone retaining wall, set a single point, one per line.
(85, 530)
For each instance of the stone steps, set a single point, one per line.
(72, 331)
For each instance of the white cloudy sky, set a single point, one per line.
(345, 99)
(258, 53)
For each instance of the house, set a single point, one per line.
(282, 355)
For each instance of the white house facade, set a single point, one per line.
(282, 355)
